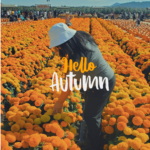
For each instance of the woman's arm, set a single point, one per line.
(63, 96)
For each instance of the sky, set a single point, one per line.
(68, 2)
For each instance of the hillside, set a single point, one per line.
(133, 4)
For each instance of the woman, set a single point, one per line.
(77, 44)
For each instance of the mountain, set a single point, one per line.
(132, 4)
(116, 4)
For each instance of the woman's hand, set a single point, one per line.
(57, 107)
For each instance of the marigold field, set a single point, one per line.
(27, 101)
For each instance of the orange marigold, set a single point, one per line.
(7, 148)
(64, 124)
(4, 143)
(137, 120)
(146, 123)
(11, 138)
(34, 141)
(118, 110)
(123, 146)
(135, 144)
(109, 129)
(60, 133)
(24, 144)
(112, 121)
(141, 130)
(68, 142)
(122, 119)
(47, 147)
(18, 145)
(121, 126)
(70, 135)
(56, 141)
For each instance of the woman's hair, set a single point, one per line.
(76, 46)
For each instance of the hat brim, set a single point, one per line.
(64, 37)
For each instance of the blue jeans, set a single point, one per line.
(95, 101)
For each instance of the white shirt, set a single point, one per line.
(45, 14)
(8, 12)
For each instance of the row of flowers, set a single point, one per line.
(30, 123)
(139, 50)
(126, 118)
(23, 54)
(142, 31)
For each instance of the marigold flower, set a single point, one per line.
(57, 116)
(2, 136)
(63, 124)
(146, 123)
(33, 116)
(104, 123)
(56, 141)
(4, 143)
(28, 126)
(21, 123)
(37, 112)
(80, 111)
(24, 144)
(43, 137)
(26, 113)
(63, 145)
(127, 131)
(18, 136)
(11, 138)
(7, 148)
(122, 138)
(123, 146)
(139, 113)
(38, 102)
(112, 121)
(37, 121)
(121, 126)
(109, 129)
(47, 147)
(49, 111)
(60, 133)
(20, 95)
(18, 145)
(73, 130)
(68, 142)
(33, 97)
(122, 119)
(74, 147)
(144, 137)
(135, 132)
(135, 144)
(137, 120)
(48, 127)
(79, 118)
(146, 130)
(118, 110)
(70, 135)
(34, 141)
(141, 130)
(15, 128)
(63, 115)
(45, 118)
(68, 119)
